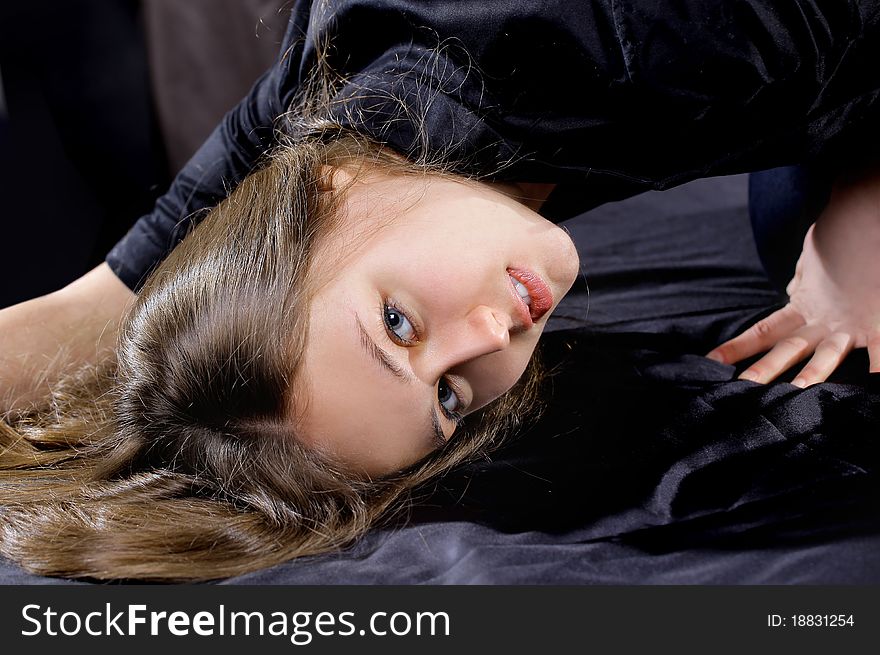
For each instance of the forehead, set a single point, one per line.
(377, 204)
(377, 197)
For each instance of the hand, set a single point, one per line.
(43, 337)
(834, 297)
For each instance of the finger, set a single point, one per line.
(786, 353)
(829, 353)
(760, 337)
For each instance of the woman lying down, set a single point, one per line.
(361, 313)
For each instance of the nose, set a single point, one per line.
(483, 332)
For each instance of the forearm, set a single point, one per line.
(231, 152)
(43, 337)
(850, 224)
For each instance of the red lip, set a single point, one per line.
(542, 297)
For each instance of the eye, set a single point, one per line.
(446, 396)
(449, 400)
(398, 324)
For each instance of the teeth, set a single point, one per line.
(521, 290)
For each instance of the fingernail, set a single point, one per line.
(715, 357)
(799, 382)
(751, 376)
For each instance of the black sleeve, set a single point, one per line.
(615, 96)
(728, 86)
(693, 88)
(229, 154)
(600, 96)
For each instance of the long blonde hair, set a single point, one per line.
(174, 460)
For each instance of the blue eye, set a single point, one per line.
(398, 324)
(449, 400)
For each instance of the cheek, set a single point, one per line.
(495, 374)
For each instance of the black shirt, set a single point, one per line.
(606, 98)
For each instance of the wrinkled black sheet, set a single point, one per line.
(652, 464)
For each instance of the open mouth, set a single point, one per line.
(532, 290)
(522, 291)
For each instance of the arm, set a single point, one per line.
(220, 164)
(231, 152)
(78, 324)
(834, 297)
(41, 338)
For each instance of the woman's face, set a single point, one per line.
(419, 319)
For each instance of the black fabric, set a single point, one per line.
(652, 464)
(606, 98)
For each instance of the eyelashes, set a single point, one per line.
(446, 392)
(396, 321)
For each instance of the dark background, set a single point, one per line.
(80, 156)
(100, 102)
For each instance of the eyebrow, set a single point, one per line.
(384, 360)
